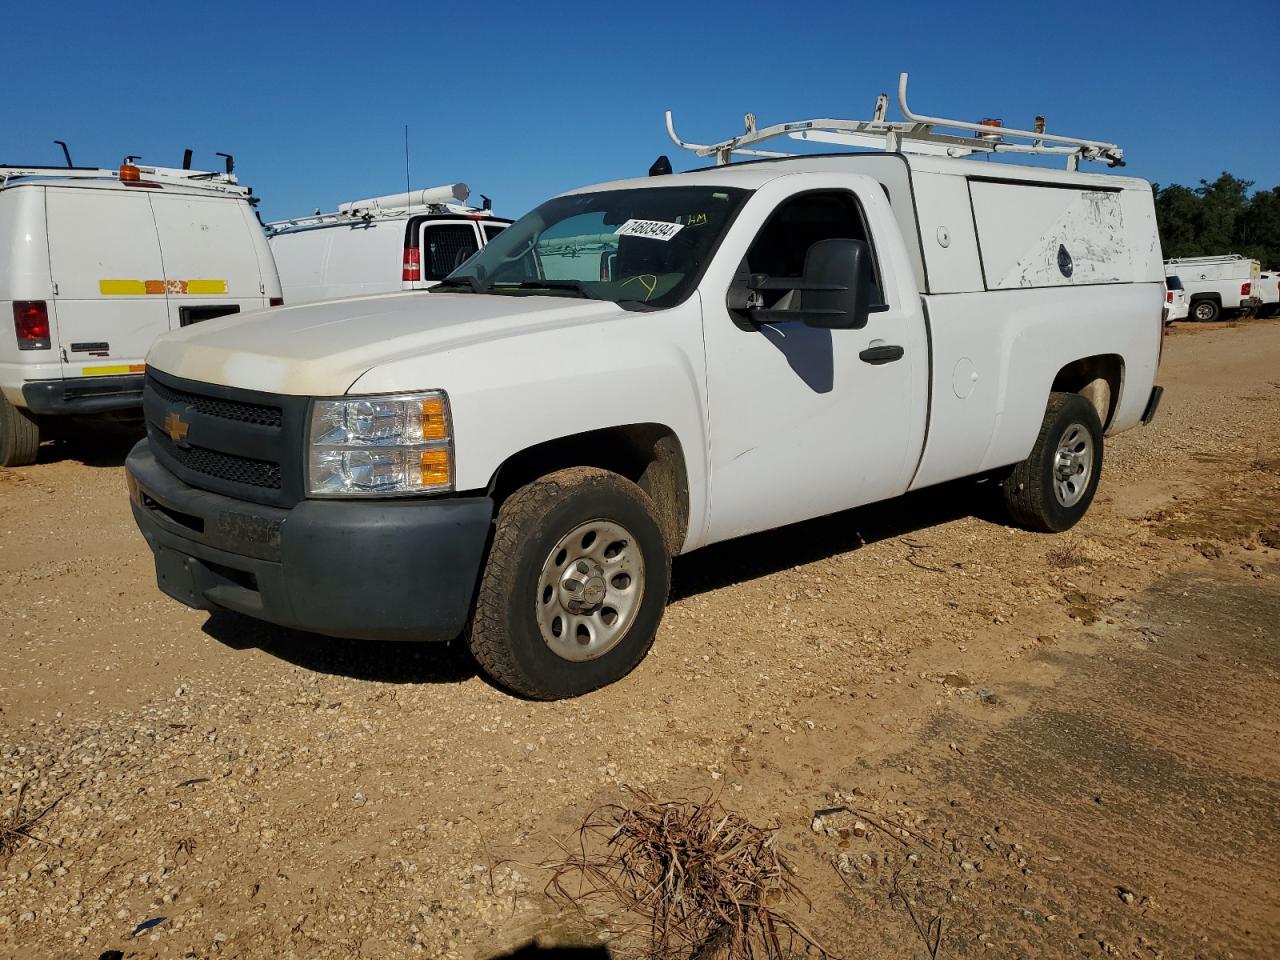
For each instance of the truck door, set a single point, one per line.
(210, 258)
(804, 421)
(443, 245)
(104, 257)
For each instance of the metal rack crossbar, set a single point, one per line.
(199, 179)
(367, 216)
(918, 133)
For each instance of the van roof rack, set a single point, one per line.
(199, 179)
(1210, 258)
(917, 134)
(447, 199)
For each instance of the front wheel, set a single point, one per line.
(1052, 488)
(574, 587)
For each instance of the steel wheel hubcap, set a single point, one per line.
(1203, 311)
(1072, 465)
(590, 590)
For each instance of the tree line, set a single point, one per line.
(1219, 216)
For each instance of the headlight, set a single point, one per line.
(380, 446)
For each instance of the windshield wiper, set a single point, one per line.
(471, 283)
(573, 286)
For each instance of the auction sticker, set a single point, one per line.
(653, 229)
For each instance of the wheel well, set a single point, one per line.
(1215, 297)
(648, 454)
(1097, 379)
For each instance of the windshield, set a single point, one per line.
(642, 247)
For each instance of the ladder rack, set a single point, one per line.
(364, 216)
(917, 134)
(198, 179)
(444, 200)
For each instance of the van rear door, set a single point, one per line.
(435, 248)
(104, 257)
(210, 258)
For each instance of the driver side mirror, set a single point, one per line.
(835, 292)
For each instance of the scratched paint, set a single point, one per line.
(1091, 230)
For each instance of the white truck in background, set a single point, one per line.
(94, 265)
(1268, 291)
(1176, 303)
(517, 456)
(403, 241)
(1217, 286)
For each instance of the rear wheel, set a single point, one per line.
(574, 587)
(1206, 311)
(1052, 488)
(19, 436)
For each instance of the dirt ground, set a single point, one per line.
(1048, 746)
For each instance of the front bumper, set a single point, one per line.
(83, 395)
(373, 570)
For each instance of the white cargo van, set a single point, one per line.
(518, 454)
(1217, 286)
(94, 265)
(405, 241)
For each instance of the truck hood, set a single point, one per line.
(321, 349)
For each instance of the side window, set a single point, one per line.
(445, 246)
(491, 230)
(779, 249)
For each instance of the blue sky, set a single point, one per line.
(522, 100)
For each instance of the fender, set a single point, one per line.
(516, 392)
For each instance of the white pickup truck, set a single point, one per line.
(1219, 285)
(517, 456)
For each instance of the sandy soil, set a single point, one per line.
(1077, 732)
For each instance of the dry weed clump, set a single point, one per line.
(1067, 554)
(16, 827)
(693, 880)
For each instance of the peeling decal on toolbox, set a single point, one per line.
(653, 229)
(138, 288)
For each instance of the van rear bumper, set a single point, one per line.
(369, 570)
(81, 395)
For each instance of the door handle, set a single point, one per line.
(881, 353)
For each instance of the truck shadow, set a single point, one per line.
(93, 443)
(709, 569)
(532, 951)
(761, 554)
(379, 661)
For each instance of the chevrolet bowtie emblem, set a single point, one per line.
(176, 427)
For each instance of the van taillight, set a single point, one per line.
(1245, 288)
(31, 321)
(412, 264)
(1168, 297)
(275, 301)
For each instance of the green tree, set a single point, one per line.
(1258, 228)
(1219, 217)
(1177, 214)
(1222, 203)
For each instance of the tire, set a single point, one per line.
(550, 563)
(1051, 490)
(1205, 311)
(19, 436)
